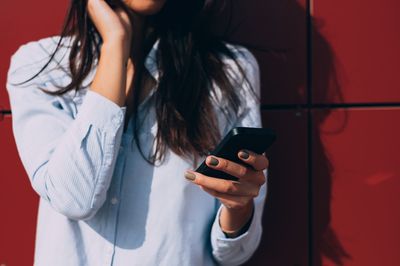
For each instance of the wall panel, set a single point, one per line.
(21, 22)
(18, 208)
(276, 31)
(361, 228)
(364, 36)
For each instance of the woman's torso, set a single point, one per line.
(152, 214)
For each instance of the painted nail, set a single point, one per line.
(214, 161)
(190, 176)
(244, 154)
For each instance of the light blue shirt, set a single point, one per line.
(101, 203)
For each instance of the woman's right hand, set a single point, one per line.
(114, 25)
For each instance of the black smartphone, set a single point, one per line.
(253, 139)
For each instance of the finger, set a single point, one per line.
(229, 167)
(257, 161)
(227, 200)
(106, 20)
(100, 13)
(97, 9)
(223, 186)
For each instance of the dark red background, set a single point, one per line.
(331, 90)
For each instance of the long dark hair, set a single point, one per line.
(190, 58)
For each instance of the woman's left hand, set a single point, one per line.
(236, 196)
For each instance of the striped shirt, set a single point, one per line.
(101, 203)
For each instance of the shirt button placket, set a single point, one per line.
(113, 201)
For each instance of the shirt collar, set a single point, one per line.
(150, 62)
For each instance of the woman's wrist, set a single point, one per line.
(234, 222)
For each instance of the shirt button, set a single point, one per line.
(114, 201)
(116, 119)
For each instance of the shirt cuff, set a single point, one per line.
(102, 112)
(240, 247)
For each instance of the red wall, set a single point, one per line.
(20, 22)
(331, 91)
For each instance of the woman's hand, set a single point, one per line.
(114, 72)
(114, 25)
(236, 196)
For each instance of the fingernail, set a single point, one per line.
(213, 161)
(190, 176)
(244, 154)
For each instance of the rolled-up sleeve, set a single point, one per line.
(235, 251)
(69, 160)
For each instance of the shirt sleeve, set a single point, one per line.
(69, 160)
(235, 251)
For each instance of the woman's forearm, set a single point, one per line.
(115, 29)
(110, 77)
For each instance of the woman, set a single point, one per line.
(135, 94)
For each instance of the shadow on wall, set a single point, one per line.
(276, 32)
(326, 84)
